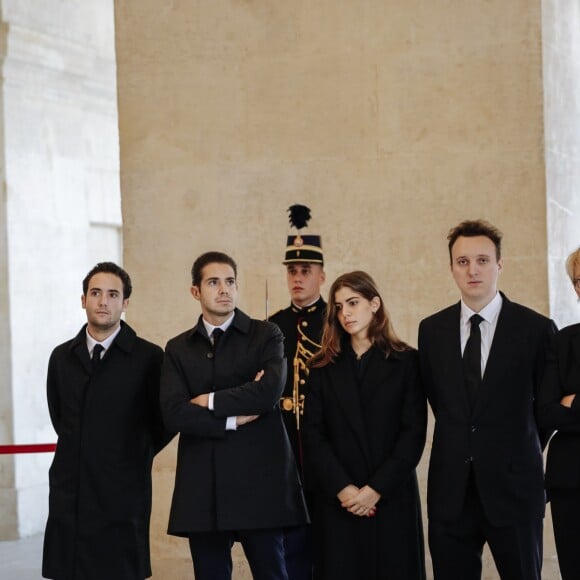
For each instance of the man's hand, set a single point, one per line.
(201, 400)
(568, 400)
(259, 375)
(245, 419)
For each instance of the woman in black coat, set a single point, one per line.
(560, 409)
(364, 433)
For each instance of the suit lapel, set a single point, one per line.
(346, 390)
(450, 344)
(504, 339)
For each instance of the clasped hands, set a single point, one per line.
(203, 401)
(567, 400)
(359, 501)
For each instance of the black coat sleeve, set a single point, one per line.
(257, 397)
(561, 378)
(179, 414)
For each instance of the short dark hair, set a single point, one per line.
(472, 228)
(109, 268)
(210, 258)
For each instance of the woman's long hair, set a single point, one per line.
(380, 331)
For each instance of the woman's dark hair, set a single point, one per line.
(380, 331)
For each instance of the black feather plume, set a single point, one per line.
(299, 216)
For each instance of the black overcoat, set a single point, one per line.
(230, 480)
(498, 438)
(109, 427)
(369, 434)
(563, 378)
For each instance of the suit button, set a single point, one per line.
(469, 460)
(210, 355)
(304, 323)
(473, 429)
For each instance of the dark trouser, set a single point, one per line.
(298, 552)
(566, 520)
(212, 557)
(456, 547)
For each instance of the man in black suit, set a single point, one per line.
(301, 323)
(236, 478)
(482, 362)
(103, 398)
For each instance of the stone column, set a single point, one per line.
(59, 214)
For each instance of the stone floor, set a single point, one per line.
(21, 560)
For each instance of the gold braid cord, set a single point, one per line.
(305, 349)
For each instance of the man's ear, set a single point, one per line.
(195, 292)
(83, 301)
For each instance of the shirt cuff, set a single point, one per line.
(210, 401)
(231, 424)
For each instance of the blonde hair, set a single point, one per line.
(572, 260)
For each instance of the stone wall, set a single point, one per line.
(391, 120)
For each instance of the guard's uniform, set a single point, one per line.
(302, 329)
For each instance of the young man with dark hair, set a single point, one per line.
(103, 398)
(482, 362)
(236, 479)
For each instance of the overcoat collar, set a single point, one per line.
(124, 340)
(241, 322)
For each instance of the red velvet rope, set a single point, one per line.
(36, 448)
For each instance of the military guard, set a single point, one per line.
(301, 323)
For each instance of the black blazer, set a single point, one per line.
(498, 439)
(230, 480)
(563, 378)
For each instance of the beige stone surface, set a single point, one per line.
(392, 121)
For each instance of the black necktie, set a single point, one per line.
(472, 357)
(96, 358)
(215, 336)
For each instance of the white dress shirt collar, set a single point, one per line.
(105, 343)
(209, 328)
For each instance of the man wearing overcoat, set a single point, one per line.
(103, 398)
(236, 478)
(482, 362)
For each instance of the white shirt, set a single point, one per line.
(490, 314)
(231, 423)
(91, 342)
